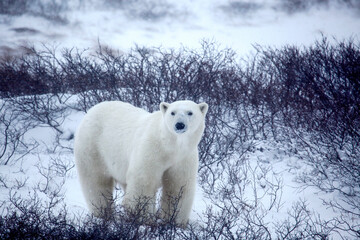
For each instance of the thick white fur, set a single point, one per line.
(117, 142)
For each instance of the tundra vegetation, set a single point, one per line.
(278, 105)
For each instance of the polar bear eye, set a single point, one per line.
(190, 113)
(173, 113)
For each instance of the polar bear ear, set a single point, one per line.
(203, 108)
(164, 106)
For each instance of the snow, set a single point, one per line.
(188, 23)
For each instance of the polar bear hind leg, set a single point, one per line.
(98, 191)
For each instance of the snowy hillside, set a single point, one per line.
(280, 155)
(122, 24)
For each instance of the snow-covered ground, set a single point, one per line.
(47, 174)
(235, 24)
(170, 24)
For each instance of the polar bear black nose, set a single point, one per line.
(180, 126)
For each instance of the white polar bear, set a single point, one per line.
(142, 151)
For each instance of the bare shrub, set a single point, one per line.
(12, 7)
(306, 96)
(241, 8)
(50, 10)
(12, 134)
(293, 6)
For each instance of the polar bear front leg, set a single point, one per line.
(140, 196)
(179, 183)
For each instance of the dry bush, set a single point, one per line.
(307, 96)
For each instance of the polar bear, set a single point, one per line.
(141, 151)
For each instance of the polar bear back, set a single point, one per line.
(109, 131)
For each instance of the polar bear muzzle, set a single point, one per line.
(180, 127)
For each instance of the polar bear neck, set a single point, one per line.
(178, 143)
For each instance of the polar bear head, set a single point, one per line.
(182, 117)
